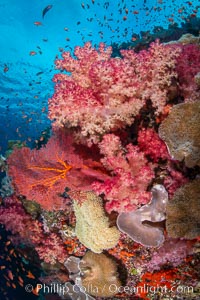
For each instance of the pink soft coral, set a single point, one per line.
(19, 222)
(173, 252)
(174, 179)
(51, 249)
(150, 143)
(130, 176)
(14, 217)
(103, 94)
(26, 230)
(188, 66)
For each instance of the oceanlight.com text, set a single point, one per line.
(63, 289)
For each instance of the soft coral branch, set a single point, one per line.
(150, 143)
(130, 175)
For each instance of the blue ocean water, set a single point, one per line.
(30, 42)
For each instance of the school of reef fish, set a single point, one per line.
(107, 205)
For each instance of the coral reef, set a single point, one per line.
(125, 139)
(183, 212)
(181, 132)
(92, 225)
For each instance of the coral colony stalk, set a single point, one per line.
(103, 164)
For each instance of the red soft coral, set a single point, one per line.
(103, 94)
(130, 176)
(150, 143)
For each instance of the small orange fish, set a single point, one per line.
(30, 275)
(10, 275)
(32, 53)
(37, 23)
(35, 291)
(13, 285)
(135, 12)
(20, 279)
(8, 258)
(133, 39)
(2, 267)
(21, 284)
(5, 69)
(11, 251)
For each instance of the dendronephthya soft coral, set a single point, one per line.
(103, 94)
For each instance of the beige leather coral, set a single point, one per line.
(181, 132)
(183, 219)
